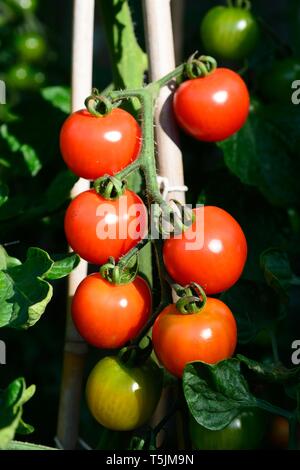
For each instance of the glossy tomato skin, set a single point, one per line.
(122, 398)
(31, 46)
(246, 431)
(229, 33)
(214, 107)
(94, 146)
(218, 259)
(209, 336)
(108, 316)
(97, 228)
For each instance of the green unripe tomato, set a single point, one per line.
(31, 46)
(120, 397)
(244, 432)
(276, 81)
(24, 77)
(229, 32)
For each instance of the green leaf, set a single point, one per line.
(59, 191)
(3, 193)
(12, 400)
(129, 62)
(18, 445)
(7, 261)
(258, 156)
(59, 97)
(254, 307)
(24, 290)
(277, 271)
(62, 266)
(24, 295)
(216, 394)
(273, 373)
(29, 154)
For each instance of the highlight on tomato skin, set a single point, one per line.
(107, 315)
(212, 252)
(97, 228)
(209, 335)
(123, 398)
(214, 107)
(94, 146)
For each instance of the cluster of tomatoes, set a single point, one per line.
(108, 315)
(210, 253)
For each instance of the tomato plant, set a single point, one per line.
(97, 228)
(123, 398)
(225, 353)
(212, 252)
(246, 431)
(209, 335)
(31, 46)
(229, 32)
(108, 315)
(94, 146)
(214, 107)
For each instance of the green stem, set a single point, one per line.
(134, 251)
(175, 74)
(264, 405)
(293, 428)
(134, 166)
(175, 407)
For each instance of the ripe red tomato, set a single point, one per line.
(97, 228)
(94, 146)
(209, 336)
(214, 107)
(212, 252)
(108, 315)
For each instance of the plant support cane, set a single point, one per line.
(75, 348)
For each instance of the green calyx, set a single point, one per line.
(192, 298)
(200, 67)
(135, 355)
(244, 4)
(98, 105)
(120, 273)
(172, 218)
(109, 187)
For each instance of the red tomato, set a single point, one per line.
(212, 252)
(97, 228)
(94, 146)
(214, 107)
(209, 336)
(108, 315)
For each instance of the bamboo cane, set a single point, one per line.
(160, 48)
(75, 348)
